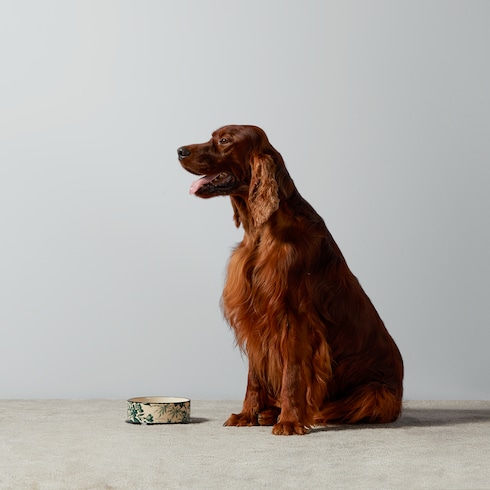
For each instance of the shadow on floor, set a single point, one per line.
(198, 420)
(415, 417)
(422, 417)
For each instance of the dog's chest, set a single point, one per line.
(257, 278)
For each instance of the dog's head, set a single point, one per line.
(238, 161)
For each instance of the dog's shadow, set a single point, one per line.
(421, 417)
(426, 417)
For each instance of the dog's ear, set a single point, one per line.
(263, 197)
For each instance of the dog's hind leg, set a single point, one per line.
(373, 403)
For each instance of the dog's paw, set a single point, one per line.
(241, 420)
(289, 429)
(268, 416)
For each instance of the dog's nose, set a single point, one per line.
(183, 152)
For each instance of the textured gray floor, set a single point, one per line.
(65, 444)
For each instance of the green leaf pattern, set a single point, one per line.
(171, 413)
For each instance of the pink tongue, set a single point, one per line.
(199, 183)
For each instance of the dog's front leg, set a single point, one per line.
(252, 404)
(294, 417)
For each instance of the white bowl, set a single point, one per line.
(159, 410)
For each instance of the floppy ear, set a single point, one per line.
(263, 197)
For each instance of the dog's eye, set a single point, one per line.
(223, 141)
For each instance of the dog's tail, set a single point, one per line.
(373, 403)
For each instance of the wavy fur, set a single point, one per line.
(318, 351)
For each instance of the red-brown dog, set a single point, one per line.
(318, 351)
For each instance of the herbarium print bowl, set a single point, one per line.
(159, 410)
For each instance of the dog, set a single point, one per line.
(317, 349)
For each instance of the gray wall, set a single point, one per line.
(111, 273)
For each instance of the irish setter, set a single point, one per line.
(318, 351)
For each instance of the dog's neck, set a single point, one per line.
(243, 215)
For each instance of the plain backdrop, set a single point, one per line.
(111, 274)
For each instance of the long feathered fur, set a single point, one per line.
(318, 351)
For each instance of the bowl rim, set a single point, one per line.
(158, 400)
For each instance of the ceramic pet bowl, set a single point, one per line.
(159, 410)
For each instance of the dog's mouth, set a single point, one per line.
(213, 184)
